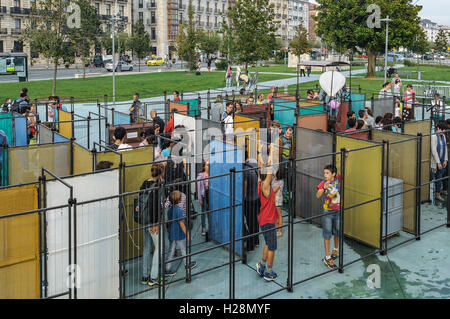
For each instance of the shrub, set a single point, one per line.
(221, 65)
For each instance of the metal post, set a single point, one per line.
(208, 104)
(387, 20)
(161, 250)
(88, 131)
(448, 199)
(384, 197)
(292, 205)
(233, 226)
(188, 228)
(230, 234)
(75, 244)
(418, 183)
(341, 212)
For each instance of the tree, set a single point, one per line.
(252, 30)
(344, 25)
(440, 43)
(140, 42)
(47, 33)
(187, 41)
(300, 44)
(420, 45)
(208, 42)
(86, 37)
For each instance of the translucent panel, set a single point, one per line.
(19, 244)
(65, 129)
(358, 102)
(315, 122)
(341, 124)
(181, 108)
(45, 134)
(121, 118)
(26, 163)
(82, 160)
(383, 106)
(20, 131)
(6, 126)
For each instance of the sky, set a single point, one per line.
(435, 10)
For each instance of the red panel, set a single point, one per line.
(182, 108)
(341, 122)
(314, 121)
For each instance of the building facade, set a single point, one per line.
(431, 29)
(311, 22)
(163, 19)
(14, 18)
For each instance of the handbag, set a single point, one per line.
(334, 104)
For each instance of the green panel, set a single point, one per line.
(6, 126)
(310, 110)
(193, 106)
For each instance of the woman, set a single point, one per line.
(203, 193)
(260, 99)
(229, 77)
(151, 232)
(237, 107)
(199, 65)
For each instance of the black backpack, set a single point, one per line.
(143, 205)
(16, 104)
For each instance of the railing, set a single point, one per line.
(16, 31)
(3, 31)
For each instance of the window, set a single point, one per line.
(97, 7)
(18, 46)
(121, 10)
(141, 4)
(17, 23)
(153, 17)
(153, 33)
(108, 9)
(1, 46)
(17, 3)
(152, 3)
(141, 16)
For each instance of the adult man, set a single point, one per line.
(119, 137)
(285, 150)
(385, 92)
(135, 109)
(217, 109)
(308, 69)
(227, 119)
(439, 159)
(363, 116)
(157, 120)
(169, 126)
(302, 70)
(272, 94)
(250, 101)
(438, 105)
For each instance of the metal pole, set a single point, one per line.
(387, 20)
(341, 212)
(114, 62)
(418, 182)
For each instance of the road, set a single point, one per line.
(42, 73)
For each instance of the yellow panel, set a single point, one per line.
(65, 129)
(134, 177)
(82, 160)
(308, 103)
(361, 185)
(246, 124)
(26, 163)
(19, 244)
(405, 170)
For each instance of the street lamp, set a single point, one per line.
(387, 20)
(113, 20)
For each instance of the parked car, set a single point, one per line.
(120, 66)
(396, 56)
(155, 61)
(427, 57)
(97, 61)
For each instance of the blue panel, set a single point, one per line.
(193, 106)
(284, 111)
(358, 102)
(225, 158)
(20, 130)
(58, 138)
(121, 118)
(3, 166)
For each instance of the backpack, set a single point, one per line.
(16, 105)
(143, 205)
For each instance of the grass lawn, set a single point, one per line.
(148, 85)
(429, 73)
(279, 68)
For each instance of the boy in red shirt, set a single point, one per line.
(330, 222)
(267, 218)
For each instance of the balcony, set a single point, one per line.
(18, 10)
(151, 5)
(3, 31)
(209, 10)
(2, 10)
(16, 31)
(151, 22)
(200, 9)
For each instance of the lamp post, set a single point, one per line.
(113, 20)
(387, 20)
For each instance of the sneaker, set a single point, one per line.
(329, 262)
(334, 254)
(170, 273)
(192, 265)
(144, 280)
(152, 282)
(269, 276)
(203, 232)
(260, 269)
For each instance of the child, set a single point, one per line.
(277, 186)
(177, 231)
(267, 218)
(331, 221)
(397, 107)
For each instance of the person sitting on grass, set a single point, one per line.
(330, 187)
(177, 232)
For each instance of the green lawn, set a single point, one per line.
(279, 68)
(148, 85)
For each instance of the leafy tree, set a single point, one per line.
(251, 30)
(440, 43)
(47, 33)
(140, 41)
(86, 37)
(300, 44)
(343, 24)
(420, 45)
(208, 43)
(187, 41)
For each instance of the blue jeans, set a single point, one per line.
(173, 246)
(228, 85)
(437, 174)
(330, 223)
(205, 208)
(149, 241)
